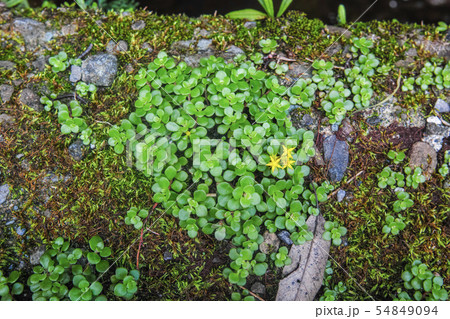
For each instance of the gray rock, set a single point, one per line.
(339, 31)
(436, 131)
(299, 70)
(412, 52)
(336, 154)
(39, 63)
(201, 33)
(33, 32)
(75, 73)
(6, 92)
(231, 52)
(440, 48)
(194, 60)
(204, 45)
(334, 127)
(6, 119)
(441, 106)
(270, 243)
(69, 29)
(4, 192)
(435, 141)
(36, 255)
(425, 157)
(147, 46)
(407, 63)
(167, 255)
(285, 237)
(182, 45)
(8, 65)
(250, 24)
(374, 120)
(31, 99)
(258, 288)
(99, 69)
(77, 150)
(114, 48)
(138, 25)
(341, 195)
(20, 231)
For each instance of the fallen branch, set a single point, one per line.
(252, 293)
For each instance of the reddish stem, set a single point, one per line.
(142, 237)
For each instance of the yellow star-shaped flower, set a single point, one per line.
(274, 162)
(287, 151)
(289, 164)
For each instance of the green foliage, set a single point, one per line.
(61, 267)
(430, 75)
(83, 88)
(341, 16)
(444, 169)
(331, 293)
(334, 232)
(414, 179)
(107, 5)
(281, 258)
(59, 62)
(362, 45)
(397, 157)
(245, 296)
(394, 225)
(268, 45)
(124, 283)
(423, 282)
(388, 177)
(442, 27)
(403, 202)
(134, 217)
(238, 190)
(251, 14)
(17, 3)
(9, 286)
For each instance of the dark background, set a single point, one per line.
(427, 11)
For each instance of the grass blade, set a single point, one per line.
(249, 14)
(283, 7)
(268, 6)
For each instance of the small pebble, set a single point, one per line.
(20, 231)
(340, 195)
(334, 127)
(167, 255)
(285, 237)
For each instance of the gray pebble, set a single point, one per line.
(285, 237)
(6, 92)
(441, 106)
(340, 195)
(75, 73)
(167, 255)
(100, 69)
(138, 25)
(4, 192)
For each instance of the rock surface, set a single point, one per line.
(285, 237)
(138, 25)
(7, 65)
(270, 243)
(99, 69)
(31, 99)
(336, 155)
(305, 275)
(75, 73)
(34, 33)
(258, 288)
(36, 255)
(6, 92)
(4, 192)
(441, 106)
(424, 156)
(77, 150)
